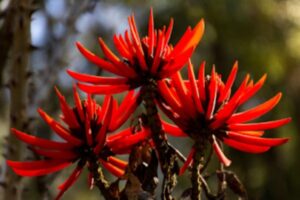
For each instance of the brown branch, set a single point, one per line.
(18, 66)
(99, 180)
(167, 156)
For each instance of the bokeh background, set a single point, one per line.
(264, 36)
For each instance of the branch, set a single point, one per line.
(18, 66)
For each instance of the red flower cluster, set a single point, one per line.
(85, 138)
(206, 109)
(142, 60)
(203, 109)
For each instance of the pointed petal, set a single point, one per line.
(169, 96)
(103, 89)
(158, 52)
(122, 67)
(187, 162)
(245, 147)
(225, 93)
(126, 108)
(40, 171)
(183, 94)
(122, 144)
(194, 88)
(255, 112)
(78, 103)
(173, 130)
(38, 164)
(190, 39)
(56, 155)
(221, 156)
(112, 169)
(101, 135)
(103, 64)
(196, 35)
(117, 162)
(169, 31)
(252, 133)
(39, 142)
(228, 109)
(69, 182)
(96, 79)
(176, 64)
(68, 113)
(151, 33)
(122, 49)
(112, 137)
(213, 90)
(201, 82)
(59, 129)
(259, 125)
(253, 140)
(252, 91)
(137, 44)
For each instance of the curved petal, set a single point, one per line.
(256, 140)
(245, 147)
(103, 89)
(39, 142)
(96, 79)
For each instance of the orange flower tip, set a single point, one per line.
(235, 65)
(40, 111)
(58, 92)
(263, 78)
(284, 140)
(151, 12)
(13, 130)
(79, 45)
(198, 32)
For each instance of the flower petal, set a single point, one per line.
(259, 125)
(38, 171)
(39, 142)
(59, 129)
(96, 79)
(112, 169)
(98, 61)
(255, 112)
(225, 93)
(69, 182)
(172, 130)
(221, 156)
(187, 162)
(256, 140)
(103, 89)
(245, 147)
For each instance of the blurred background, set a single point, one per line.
(264, 36)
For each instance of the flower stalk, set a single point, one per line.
(167, 156)
(99, 180)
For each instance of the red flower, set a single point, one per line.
(207, 109)
(142, 59)
(85, 139)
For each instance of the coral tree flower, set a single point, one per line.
(141, 59)
(207, 109)
(85, 139)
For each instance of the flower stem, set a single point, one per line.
(167, 156)
(196, 181)
(99, 180)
